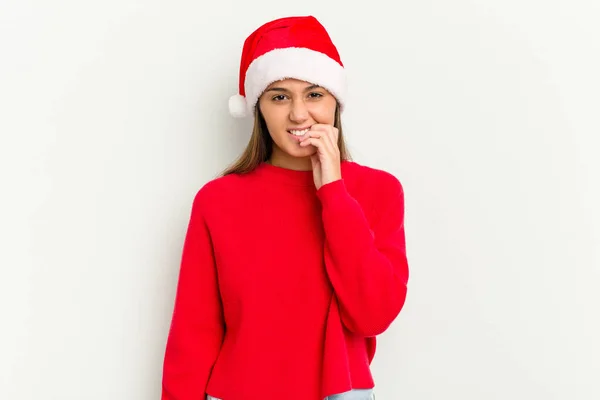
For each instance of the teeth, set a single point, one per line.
(299, 133)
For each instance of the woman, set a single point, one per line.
(294, 259)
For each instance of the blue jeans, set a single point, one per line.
(354, 394)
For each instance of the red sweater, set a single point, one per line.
(283, 288)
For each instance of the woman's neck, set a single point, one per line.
(290, 162)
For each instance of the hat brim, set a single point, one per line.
(293, 63)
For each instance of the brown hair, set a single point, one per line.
(260, 146)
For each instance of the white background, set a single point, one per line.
(113, 113)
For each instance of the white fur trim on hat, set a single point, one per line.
(297, 63)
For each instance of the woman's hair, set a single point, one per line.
(260, 146)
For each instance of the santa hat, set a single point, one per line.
(292, 47)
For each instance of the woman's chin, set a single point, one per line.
(295, 150)
(302, 151)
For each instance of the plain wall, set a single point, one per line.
(114, 113)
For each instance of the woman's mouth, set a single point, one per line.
(299, 132)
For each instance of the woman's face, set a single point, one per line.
(290, 107)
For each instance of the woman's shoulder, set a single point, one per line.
(369, 178)
(221, 189)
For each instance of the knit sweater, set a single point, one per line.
(283, 288)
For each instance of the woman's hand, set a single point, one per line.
(326, 161)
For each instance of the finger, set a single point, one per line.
(330, 130)
(326, 131)
(315, 134)
(323, 128)
(326, 128)
(318, 143)
(320, 127)
(323, 138)
(334, 137)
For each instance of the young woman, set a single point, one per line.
(294, 259)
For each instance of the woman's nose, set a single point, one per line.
(298, 111)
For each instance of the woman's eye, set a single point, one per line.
(315, 95)
(279, 97)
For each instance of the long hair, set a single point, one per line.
(260, 145)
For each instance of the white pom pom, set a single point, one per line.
(237, 106)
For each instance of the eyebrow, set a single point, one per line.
(279, 89)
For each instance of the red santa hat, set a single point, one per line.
(292, 47)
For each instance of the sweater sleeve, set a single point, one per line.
(197, 325)
(366, 264)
